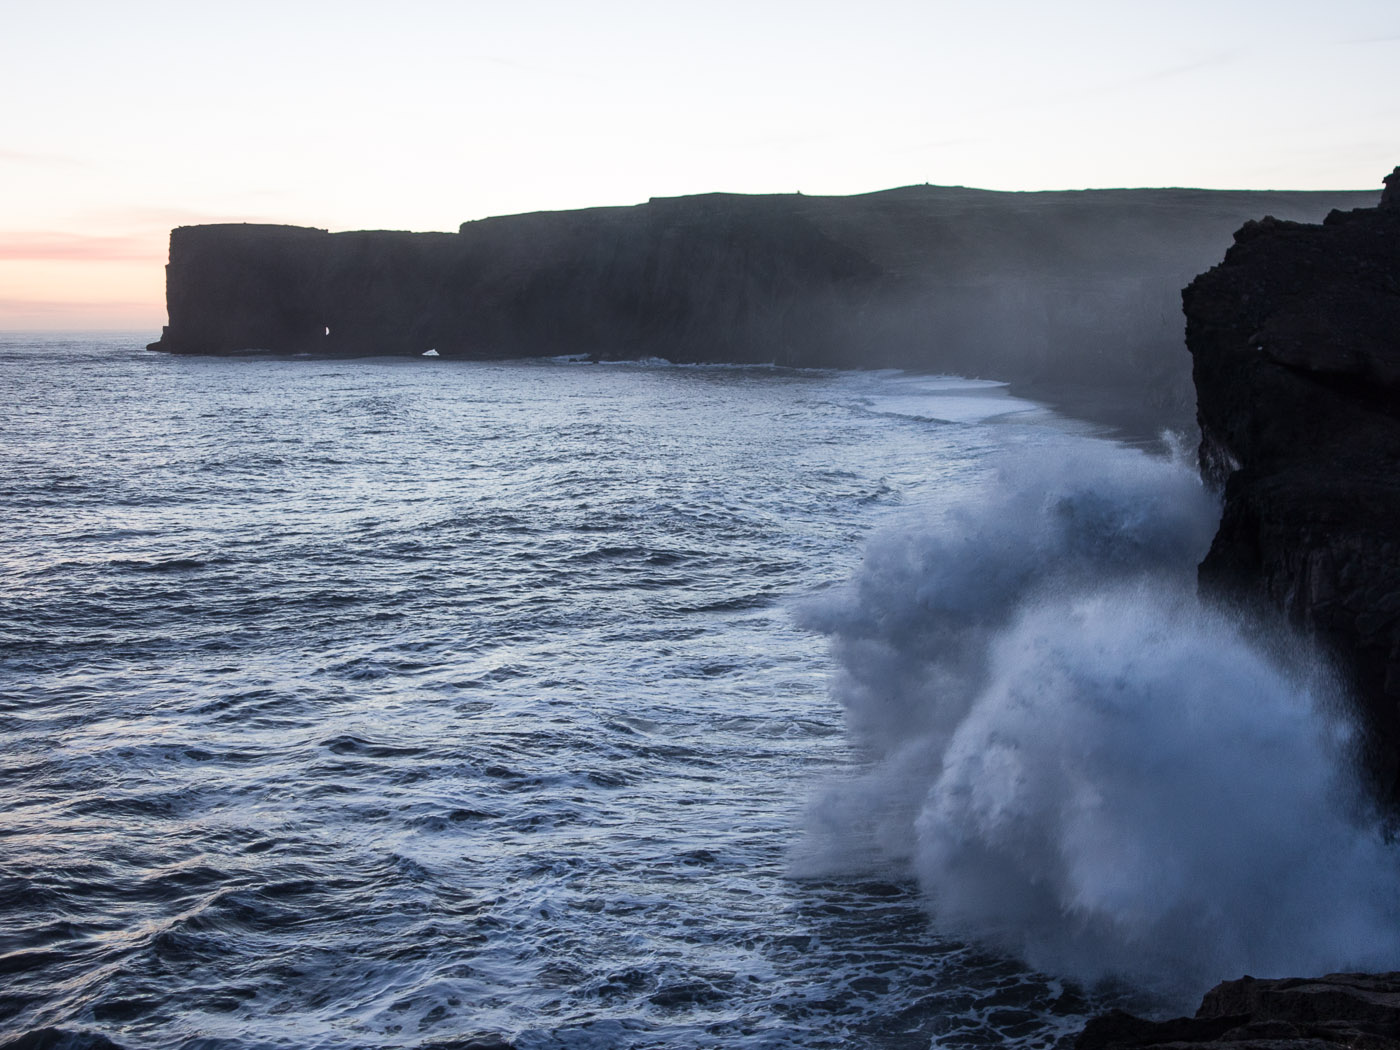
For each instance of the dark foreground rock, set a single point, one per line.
(1346, 1009)
(1295, 340)
(1069, 292)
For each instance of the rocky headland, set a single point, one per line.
(1295, 343)
(1072, 295)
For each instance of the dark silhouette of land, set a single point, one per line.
(1071, 295)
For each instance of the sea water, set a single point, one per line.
(426, 703)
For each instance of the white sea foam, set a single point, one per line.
(1081, 762)
(944, 399)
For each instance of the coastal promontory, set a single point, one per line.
(1059, 291)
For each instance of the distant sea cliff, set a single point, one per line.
(1071, 293)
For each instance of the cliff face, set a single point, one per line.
(724, 279)
(1295, 341)
(1051, 289)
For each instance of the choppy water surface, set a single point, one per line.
(400, 703)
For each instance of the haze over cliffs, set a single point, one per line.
(1073, 289)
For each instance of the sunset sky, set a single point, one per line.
(123, 120)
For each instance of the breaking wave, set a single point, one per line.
(1080, 761)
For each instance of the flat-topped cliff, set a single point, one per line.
(1073, 289)
(1295, 339)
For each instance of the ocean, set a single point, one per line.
(546, 704)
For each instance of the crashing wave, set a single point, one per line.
(1080, 761)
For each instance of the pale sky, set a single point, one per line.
(123, 119)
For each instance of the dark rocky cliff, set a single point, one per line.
(1295, 340)
(1056, 290)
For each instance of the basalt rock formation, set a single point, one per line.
(1295, 340)
(1068, 289)
(1323, 1013)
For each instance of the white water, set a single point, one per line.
(1082, 763)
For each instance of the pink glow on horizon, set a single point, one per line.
(77, 247)
(20, 315)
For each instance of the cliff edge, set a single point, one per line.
(1295, 345)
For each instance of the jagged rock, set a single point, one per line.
(1055, 290)
(1323, 1013)
(1295, 340)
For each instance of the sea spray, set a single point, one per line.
(1080, 761)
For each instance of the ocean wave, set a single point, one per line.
(1081, 761)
